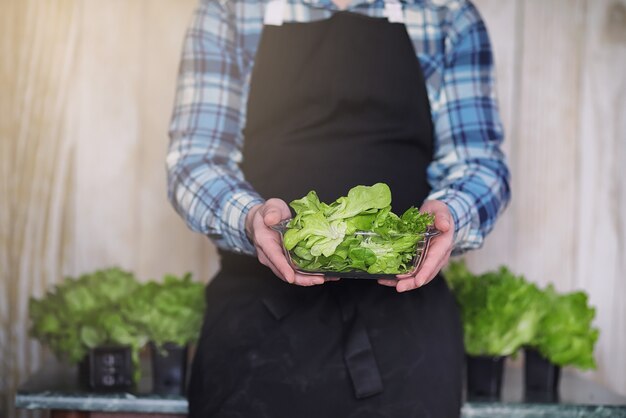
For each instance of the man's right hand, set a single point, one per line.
(268, 243)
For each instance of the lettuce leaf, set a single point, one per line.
(321, 236)
(500, 312)
(110, 307)
(361, 199)
(356, 232)
(565, 335)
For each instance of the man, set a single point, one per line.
(278, 98)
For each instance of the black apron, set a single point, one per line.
(333, 104)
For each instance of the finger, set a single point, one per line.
(274, 211)
(438, 247)
(405, 285)
(331, 279)
(433, 259)
(443, 220)
(262, 257)
(388, 282)
(271, 216)
(441, 265)
(425, 280)
(436, 257)
(405, 275)
(265, 261)
(268, 241)
(308, 280)
(425, 275)
(300, 279)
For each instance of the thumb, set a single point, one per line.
(443, 220)
(274, 211)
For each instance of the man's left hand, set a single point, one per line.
(438, 252)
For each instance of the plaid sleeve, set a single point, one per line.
(469, 171)
(205, 183)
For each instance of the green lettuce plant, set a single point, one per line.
(500, 312)
(110, 307)
(83, 313)
(322, 236)
(565, 335)
(170, 311)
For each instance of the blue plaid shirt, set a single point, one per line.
(206, 185)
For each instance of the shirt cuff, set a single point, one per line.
(467, 233)
(232, 235)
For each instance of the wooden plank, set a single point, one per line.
(504, 23)
(503, 20)
(545, 149)
(601, 197)
(164, 242)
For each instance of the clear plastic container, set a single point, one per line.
(421, 249)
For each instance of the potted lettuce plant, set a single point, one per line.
(500, 313)
(170, 314)
(80, 321)
(565, 337)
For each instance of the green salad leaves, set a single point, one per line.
(356, 232)
(110, 307)
(565, 335)
(502, 312)
(170, 311)
(83, 313)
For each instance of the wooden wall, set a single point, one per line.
(562, 83)
(86, 89)
(86, 94)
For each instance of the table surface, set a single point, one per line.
(56, 386)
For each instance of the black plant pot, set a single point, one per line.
(484, 377)
(83, 372)
(541, 377)
(169, 368)
(107, 369)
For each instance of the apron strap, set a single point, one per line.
(393, 11)
(358, 353)
(275, 12)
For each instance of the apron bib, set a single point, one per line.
(332, 104)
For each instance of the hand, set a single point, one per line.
(268, 245)
(438, 253)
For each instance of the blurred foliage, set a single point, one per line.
(110, 307)
(502, 312)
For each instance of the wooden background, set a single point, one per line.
(86, 89)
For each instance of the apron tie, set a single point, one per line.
(357, 350)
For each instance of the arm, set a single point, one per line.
(205, 184)
(468, 174)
